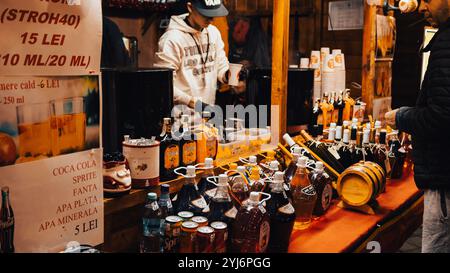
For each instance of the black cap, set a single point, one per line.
(165, 188)
(210, 8)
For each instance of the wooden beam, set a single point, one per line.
(280, 63)
(368, 56)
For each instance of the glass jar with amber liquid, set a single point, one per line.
(304, 196)
(251, 229)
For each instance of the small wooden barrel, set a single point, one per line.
(361, 183)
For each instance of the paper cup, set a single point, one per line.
(234, 74)
(304, 63)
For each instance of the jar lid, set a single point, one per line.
(173, 219)
(219, 225)
(205, 230)
(190, 225)
(199, 219)
(185, 214)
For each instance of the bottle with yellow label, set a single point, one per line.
(207, 139)
(188, 144)
(169, 152)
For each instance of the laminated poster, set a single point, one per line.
(51, 160)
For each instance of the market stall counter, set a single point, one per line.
(341, 230)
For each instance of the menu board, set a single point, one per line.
(50, 37)
(50, 151)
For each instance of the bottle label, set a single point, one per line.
(335, 115)
(210, 193)
(200, 203)
(175, 198)
(171, 157)
(211, 147)
(155, 206)
(262, 209)
(189, 153)
(333, 151)
(286, 187)
(327, 195)
(231, 213)
(287, 209)
(309, 190)
(264, 235)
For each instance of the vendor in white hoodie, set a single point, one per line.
(194, 49)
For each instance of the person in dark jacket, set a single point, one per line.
(429, 125)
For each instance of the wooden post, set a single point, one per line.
(368, 56)
(280, 63)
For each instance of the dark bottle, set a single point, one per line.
(256, 183)
(321, 182)
(169, 158)
(188, 146)
(353, 144)
(340, 105)
(204, 187)
(164, 202)
(381, 154)
(221, 207)
(397, 156)
(282, 216)
(151, 241)
(322, 151)
(188, 198)
(251, 228)
(6, 224)
(270, 173)
(344, 150)
(316, 112)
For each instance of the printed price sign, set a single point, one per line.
(50, 37)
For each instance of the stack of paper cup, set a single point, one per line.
(304, 63)
(328, 75)
(339, 70)
(315, 64)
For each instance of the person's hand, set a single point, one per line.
(390, 117)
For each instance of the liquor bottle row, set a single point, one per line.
(186, 146)
(251, 208)
(350, 143)
(335, 108)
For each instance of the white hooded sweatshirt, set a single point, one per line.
(179, 50)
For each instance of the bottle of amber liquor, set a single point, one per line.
(169, 152)
(188, 145)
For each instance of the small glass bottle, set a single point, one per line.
(292, 168)
(188, 145)
(221, 207)
(344, 151)
(256, 183)
(304, 196)
(6, 223)
(381, 154)
(169, 152)
(152, 241)
(164, 202)
(239, 187)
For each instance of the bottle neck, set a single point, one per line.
(189, 181)
(5, 200)
(222, 192)
(277, 187)
(165, 196)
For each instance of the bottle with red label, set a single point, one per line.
(188, 198)
(282, 216)
(321, 182)
(251, 228)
